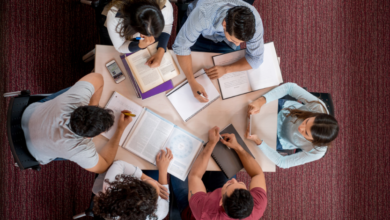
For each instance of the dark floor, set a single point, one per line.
(340, 47)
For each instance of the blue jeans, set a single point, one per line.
(211, 179)
(205, 45)
(52, 96)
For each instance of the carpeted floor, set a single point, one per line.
(341, 47)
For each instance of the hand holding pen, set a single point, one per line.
(230, 141)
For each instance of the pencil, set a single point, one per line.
(224, 139)
(128, 114)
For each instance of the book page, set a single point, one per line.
(147, 77)
(149, 136)
(236, 83)
(117, 104)
(167, 66)
(268, 74)
(185, 148)
(184, 101)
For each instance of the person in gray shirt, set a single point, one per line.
(63, 125)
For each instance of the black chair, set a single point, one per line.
(327, 99)
(174, 212)
(23, 159)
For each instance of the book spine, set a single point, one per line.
(202, 108)
(130, 75)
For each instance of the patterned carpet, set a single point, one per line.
(340, 47)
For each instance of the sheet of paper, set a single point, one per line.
(117, 104)
(268, 74)
(233, 84)
(149, 136)
(184, 101)
(147, 77)
(185, 149)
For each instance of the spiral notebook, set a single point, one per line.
(184, 101)
(227, 159)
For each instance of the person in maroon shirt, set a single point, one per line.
(213, 196)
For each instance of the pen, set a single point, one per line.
(128, 114)
(138, 39)
(222, 138)
(201, 94)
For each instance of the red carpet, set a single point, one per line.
(340, 47)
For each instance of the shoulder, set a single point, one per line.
(260, 201)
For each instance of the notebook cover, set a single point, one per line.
(157, 90)
(227, 159)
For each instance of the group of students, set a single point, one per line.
(61, 126)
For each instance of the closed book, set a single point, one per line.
(227, 159)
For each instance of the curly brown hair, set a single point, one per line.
(128, 198)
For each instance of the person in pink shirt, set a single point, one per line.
(212, 196)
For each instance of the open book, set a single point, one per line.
(184, 101)
(146, 77)
(152, 133)
(238, 83)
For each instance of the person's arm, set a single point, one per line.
(195, 183)
(96, 79)
(216, 72)
(107, 154)
(250, 164)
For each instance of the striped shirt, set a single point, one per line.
(206, 18)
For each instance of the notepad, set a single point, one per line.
(184, 101)
(117, 104)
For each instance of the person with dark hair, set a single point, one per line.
(124, 192)
(62, 125)
(304, 125)
(210, 195)
(219, 26)
(151, 20)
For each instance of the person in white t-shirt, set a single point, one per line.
(151, 20)
(124, 192)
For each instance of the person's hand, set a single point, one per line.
(230, 141)
(214, 135)
(124, 120)
(216, 72)
(163, 159)
(254, 107)
(146, 41)
(252, 137)
(196, 87)
(164, 194)
(155, 60)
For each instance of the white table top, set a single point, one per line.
(220, 113)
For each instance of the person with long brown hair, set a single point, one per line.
(305, 124)
(133, 25)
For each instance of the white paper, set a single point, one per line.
(184, 101)
(237, 83)
(118, 103)
(185, 149)
(149, 136)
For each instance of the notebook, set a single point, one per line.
(156, 90)
(151, 133)
(227, 159)
(184, 101)
(242, 82)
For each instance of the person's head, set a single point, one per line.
(236, 199)
(319, 128)
(139, 16)
(239, 25)
(90, 121)
(128, 198)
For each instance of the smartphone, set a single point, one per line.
(115, 71)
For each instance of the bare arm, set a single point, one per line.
(195, 183)
(107, 154)
(250, 164)
(96, 79)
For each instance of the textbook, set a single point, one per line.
(148, 78)
(239, 83)
(227, 159)
(184, 101)
(148, 133)
(156, 90)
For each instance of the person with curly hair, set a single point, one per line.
(125, 192)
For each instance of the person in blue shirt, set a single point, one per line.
(219, 26)
(306, 126)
